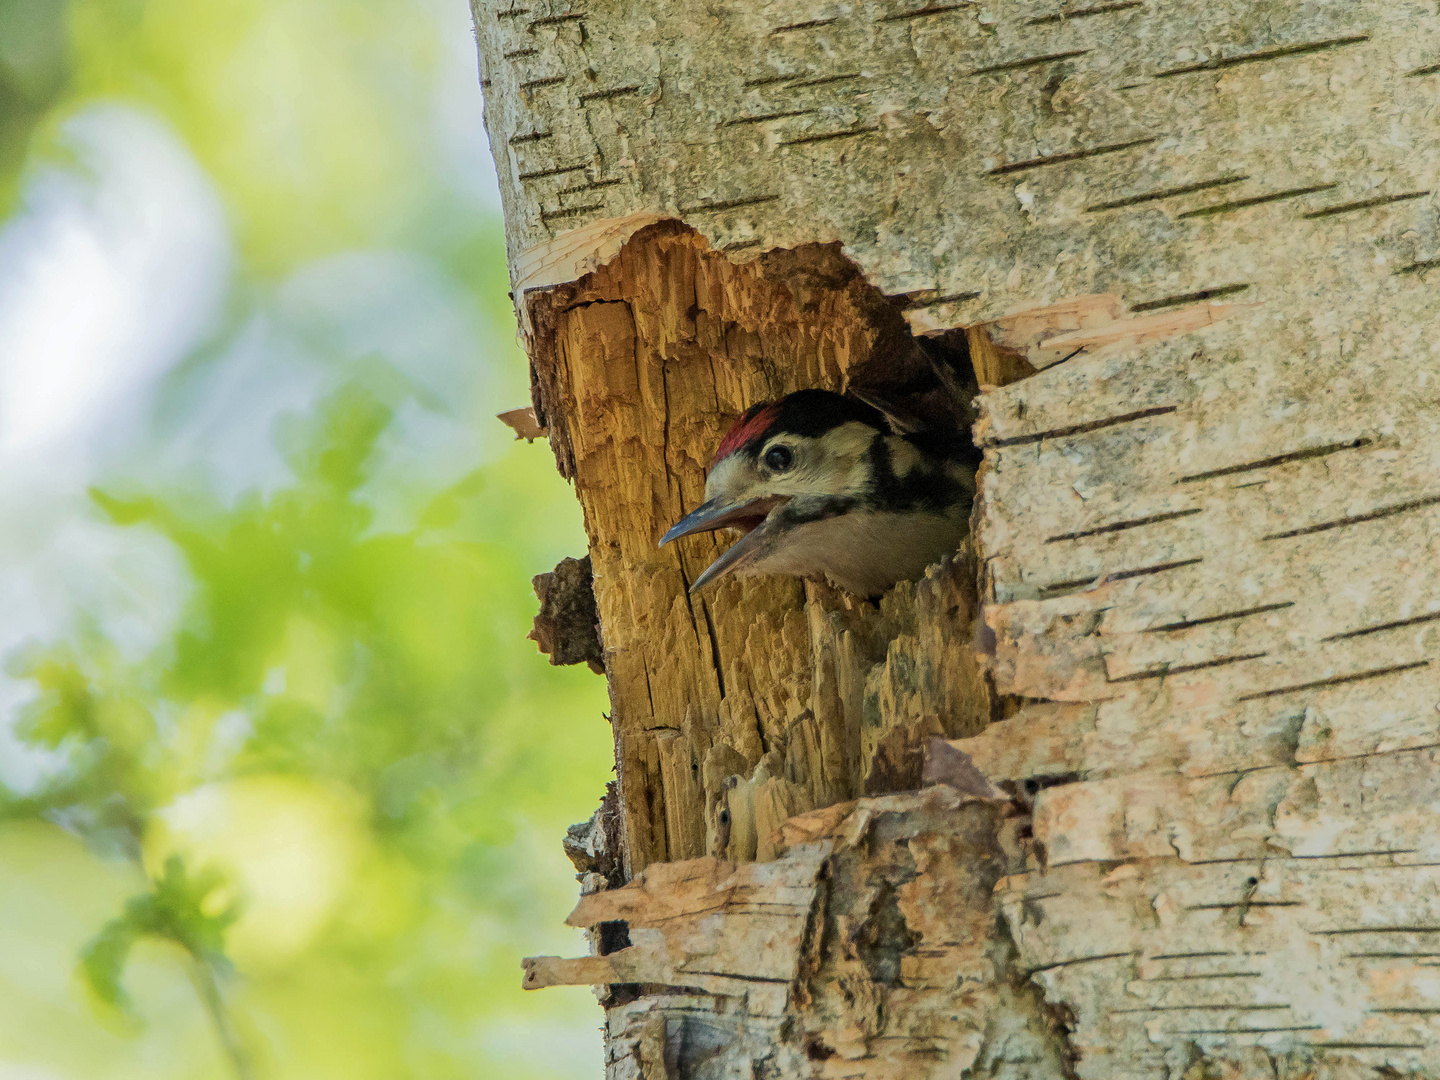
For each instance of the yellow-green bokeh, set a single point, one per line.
(337, 785)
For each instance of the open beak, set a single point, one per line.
(747, 516)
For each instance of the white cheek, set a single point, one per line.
(722, 477)
(728, 478)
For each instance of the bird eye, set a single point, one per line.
(778, 458)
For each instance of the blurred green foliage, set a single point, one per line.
(34, 64)
(174, 909)
(311, 831)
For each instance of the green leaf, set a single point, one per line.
(175, 909)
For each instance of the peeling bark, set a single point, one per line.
(568, 627)
(868, 947)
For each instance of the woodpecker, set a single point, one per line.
(820, 484)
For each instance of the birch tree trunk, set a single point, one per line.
(1176, 705)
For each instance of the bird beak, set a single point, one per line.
(722, 514)
(747, 516)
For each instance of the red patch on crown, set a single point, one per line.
(755, 421)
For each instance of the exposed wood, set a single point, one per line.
(755, 700)
(1190, 248)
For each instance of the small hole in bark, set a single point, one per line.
(1252, 881)
(724, 817)
(1033, 785)
(621, 994)
(614, 936)
(816, 1050)
(884, 937)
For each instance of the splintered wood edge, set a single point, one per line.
(1044, 336)
(1145, 328)
(572, 255)
(626, 966)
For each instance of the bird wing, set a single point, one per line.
(901, 421)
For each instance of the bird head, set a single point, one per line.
(804, 458)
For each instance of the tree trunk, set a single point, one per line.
(1177, 695)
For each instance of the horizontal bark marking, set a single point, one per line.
(1376, 753)
(1051, 591)
(1167, 193)
(1381, 627)
(1029, 61)
(1344, 931)
(732, 975)
(531, 136)
(1338, 680)
(1358, 519)
(570, 211)
(1082, 13)
(551, 20)
(1232, 772)
(1231, 906)
(1244, 1030)
(1358, 854)
(515, 54)
(869, 129)
(1190, 955)
(1069, 155)
(1256, 200)
(1121, 526)
(606, 95)
(1365, 204)
(1191, 297)
(1077, 960)
(1217, 975)
(728, 204)
(921, 13)
(512, 13)
(1367, 1046)
(1428, 69)
(1085, 429)
(1407, 1012)
(1265, 54)
(1186, 624)
(823, 80)
(773, 909)
(1181, 669)
(556, 170)
(591, 185)
(914, 302)
(548, 80)
(1207, 1007)
(809, 25)
(760, 119)
(1279, 459)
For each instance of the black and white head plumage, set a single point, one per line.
(820, 484)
